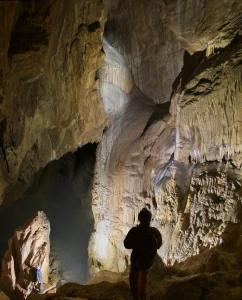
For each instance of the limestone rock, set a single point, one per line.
(28, 248)
(150, 49)
(203, 25)
(173, 285)
(208, 109)
(50, 103)
(3, 296)
(182, 161)
(103, 290)
(210, 287)
(203, 213)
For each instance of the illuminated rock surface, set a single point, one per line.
(63, 191)
(167, 116)
(50, 102)
(202, 24)
(151, 50)
(182, 161)
(28, 248)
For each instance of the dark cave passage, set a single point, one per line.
(63, 191)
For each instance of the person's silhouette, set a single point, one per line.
(144, 240)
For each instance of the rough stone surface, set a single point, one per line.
(182, 159)
(28, 248)
(203, 25)
(203, 212)
(211, 96)
(171, 284)
(63, 191)
(3, 296)
(183, 162)
(49, 95)
(150, 49)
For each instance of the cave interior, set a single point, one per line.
(107, 107)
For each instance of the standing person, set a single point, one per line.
(39, 279)
(144, 240)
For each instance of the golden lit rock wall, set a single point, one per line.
(186, 164)
(202, 24)
(152, 52)
(209, 109)
(183, 162)
(50, 102)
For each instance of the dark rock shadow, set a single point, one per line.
(63, 191)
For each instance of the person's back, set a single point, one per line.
(144, 240)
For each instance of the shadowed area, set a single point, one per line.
(62, 191)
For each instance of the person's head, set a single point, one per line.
(144, 216)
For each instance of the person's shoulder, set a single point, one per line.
(155, 230)
(134, 229)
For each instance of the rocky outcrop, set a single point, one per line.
(28, 249)
(49, 94)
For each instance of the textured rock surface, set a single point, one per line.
(49, 97)
(150, 49)
(212, 96)
(184, 162)
(193, 287)
(171, 284)
(181, 159)
(63, 191)
(202, 24)
(28, 249)
(199, 217)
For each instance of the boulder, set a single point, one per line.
(28, 248)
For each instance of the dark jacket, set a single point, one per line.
(144, 240)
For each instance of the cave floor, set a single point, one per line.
(169, 286)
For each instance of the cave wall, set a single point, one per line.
(202, 24)
(50, 105)
(150, 49)
(63, 191)
(183, 161)
(169, 99)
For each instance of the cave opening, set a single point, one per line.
(63, 191)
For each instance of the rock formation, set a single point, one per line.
(3, 296)
(202, 25)
(167, 116)
(28, 249)
(150, 49)
(63, 191)
(50, 105)
(182, 161)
